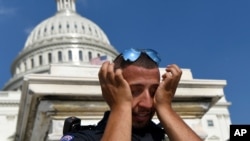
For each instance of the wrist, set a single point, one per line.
(163, 109)
(123, 107)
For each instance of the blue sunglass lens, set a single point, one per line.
(153, 55)
(131, 55)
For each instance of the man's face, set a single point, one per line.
(143, 84)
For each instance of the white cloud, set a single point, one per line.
(7, 11)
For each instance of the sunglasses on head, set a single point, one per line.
(133, 54)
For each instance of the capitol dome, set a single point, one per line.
(66, 23)
(64, 38)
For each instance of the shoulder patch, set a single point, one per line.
(67, 138)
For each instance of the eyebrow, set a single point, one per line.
(139, 85)
(136, 85)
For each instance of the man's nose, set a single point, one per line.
(146, 100)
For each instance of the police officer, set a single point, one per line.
(132, 88)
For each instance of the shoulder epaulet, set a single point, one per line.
(87, 127)
(73, 124)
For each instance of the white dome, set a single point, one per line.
(65, 38)
(66, 23)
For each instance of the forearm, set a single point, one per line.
(119, 125)
(175, 127)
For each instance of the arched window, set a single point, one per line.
(90, 30)
(49, 58)
(68, 27)
(80, 56)
(90, 55)
(83, 28)
(60, 28)
(70, 55)
(32, 63)
(59, 56)
(40, 59)
(52, 29)
(45, 31)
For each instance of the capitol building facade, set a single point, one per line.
(55, 76)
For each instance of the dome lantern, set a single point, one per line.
(66, 5)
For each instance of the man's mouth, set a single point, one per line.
(141, 116)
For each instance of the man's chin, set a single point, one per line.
(140, 122)
(138, 125)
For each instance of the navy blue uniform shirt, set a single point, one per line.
(152, 132)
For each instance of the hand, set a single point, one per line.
(170, 120)
(115, 89)
(166, 90)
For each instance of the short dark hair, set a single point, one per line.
(143, 61)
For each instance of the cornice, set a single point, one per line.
(9, 103)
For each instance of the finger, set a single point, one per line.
(176, 75)
(174, 70)
(110, 73)
(119, 77)
(103, 72)
(174, 67)
(163, 76)
(171, 76)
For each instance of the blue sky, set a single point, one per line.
(211, 37)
